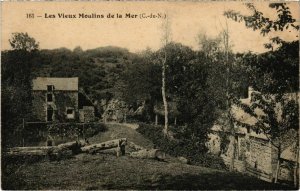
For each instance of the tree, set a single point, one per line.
(140, 82)
(257, 21)
(196, 105)
(274, 75)
(211, 47)
(222, 78)
(16, 85)
(225, 35)
(22, 41)
(165, 39)
(276, 115)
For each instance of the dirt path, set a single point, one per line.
(116, 131)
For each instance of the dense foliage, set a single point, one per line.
(37, 133)
(15, 91)
(180, 147)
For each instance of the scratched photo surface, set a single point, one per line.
(159, 95)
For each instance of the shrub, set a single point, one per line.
(37, 133)
(180, 146)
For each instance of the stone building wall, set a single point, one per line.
(261, 156)
(61, 101)
(39, 105)
(261, 159)
(251, 155)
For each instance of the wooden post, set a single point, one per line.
(83, 131)
(23, 141)
(124, 118)
(296, 168)
(175, 121)
(156, 119)
(122, 147)
(278, 165)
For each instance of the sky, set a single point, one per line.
(187, 20)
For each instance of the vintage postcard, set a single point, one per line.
(144, 95)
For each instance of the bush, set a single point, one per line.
(35, 134)
(209, 160)
(180, 147)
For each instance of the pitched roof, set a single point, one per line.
(83, 100)
(66, 84)
(244, 117)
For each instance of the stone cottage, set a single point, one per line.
(59, 100)
(253, 154)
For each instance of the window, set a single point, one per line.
(50, 113)
(70, 113)
(248, 129)
(50, 88)
(49, 97)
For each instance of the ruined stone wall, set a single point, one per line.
(115, 110)
(214, 144)
(87, 114)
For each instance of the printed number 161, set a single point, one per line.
(29, 15)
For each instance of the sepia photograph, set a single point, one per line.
(150, 95)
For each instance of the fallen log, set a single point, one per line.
(149, 154)
(112, 151)
(74, 146)
(135, 146)
(28, 153)
(104, 145)
(69, 145)
(24, 149)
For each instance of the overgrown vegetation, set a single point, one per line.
(39, 133)
(274, 76)
(182, 145)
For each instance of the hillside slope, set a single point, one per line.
(105, 171)
(116, 131)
